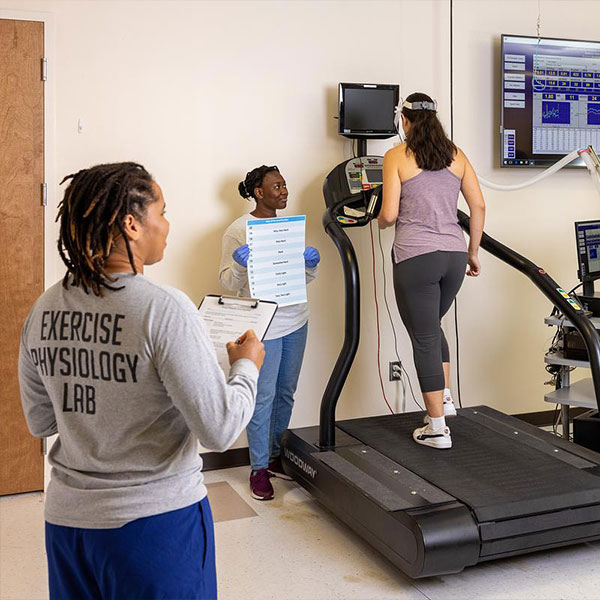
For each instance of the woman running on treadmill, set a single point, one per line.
(421, 182)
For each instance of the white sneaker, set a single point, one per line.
(449, 408)
(435, 439)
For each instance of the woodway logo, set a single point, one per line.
(303, 466)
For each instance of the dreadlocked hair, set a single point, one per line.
(91, 216)
(426, 139)
(253, 180)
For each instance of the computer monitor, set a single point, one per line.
(588, 254)
(550, 99)
(366, 110)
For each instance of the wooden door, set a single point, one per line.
(21, 237)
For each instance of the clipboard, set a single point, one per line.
(228, 317)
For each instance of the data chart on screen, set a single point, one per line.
(551, 98)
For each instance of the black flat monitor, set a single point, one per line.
(366, 110)
(588, 253)
(550, 99)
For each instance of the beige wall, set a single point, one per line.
(502, 334)
(200, 92)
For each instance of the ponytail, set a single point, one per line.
(426, 140)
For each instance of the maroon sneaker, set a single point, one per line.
(275, 469)
(260, 486)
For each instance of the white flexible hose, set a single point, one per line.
(555, 167)
(592, 166)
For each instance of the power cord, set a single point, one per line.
(387, 306)
(377, 319)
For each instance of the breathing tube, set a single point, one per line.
(588, 156)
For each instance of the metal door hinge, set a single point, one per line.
(44, 446)
(44, 194)
(44, 69)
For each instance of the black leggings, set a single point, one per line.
(425, 287)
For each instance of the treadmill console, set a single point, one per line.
(364, 173)
(353, 190)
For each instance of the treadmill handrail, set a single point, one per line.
(352, 327)
(549, 288)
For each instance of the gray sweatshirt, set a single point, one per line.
(130, 382)
(234, 277)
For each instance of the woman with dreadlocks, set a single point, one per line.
(422, 179)
(122, 369)
(285, 340)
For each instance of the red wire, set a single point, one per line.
(377, 317)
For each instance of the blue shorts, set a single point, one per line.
(171, 555)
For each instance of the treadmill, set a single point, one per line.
(504, 488)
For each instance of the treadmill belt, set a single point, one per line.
(495, 475)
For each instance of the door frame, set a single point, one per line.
(52, 268)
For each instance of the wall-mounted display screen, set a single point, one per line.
(366, 110)
(550, 99)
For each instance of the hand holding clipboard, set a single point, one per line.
(229, 319)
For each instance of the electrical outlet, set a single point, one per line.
(395, 370)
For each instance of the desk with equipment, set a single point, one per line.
(569, 351)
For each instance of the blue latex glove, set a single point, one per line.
(241, 255)
(311, 257)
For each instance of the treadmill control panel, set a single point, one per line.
(353, 190)
(364, 173)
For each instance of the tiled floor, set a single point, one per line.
(292, 548)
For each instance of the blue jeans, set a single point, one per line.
(170, 555)
(275, 396)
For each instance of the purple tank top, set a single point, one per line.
(427, 218)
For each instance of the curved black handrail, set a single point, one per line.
(351, 331)
(549, 288)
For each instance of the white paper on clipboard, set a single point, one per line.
(228, 317)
